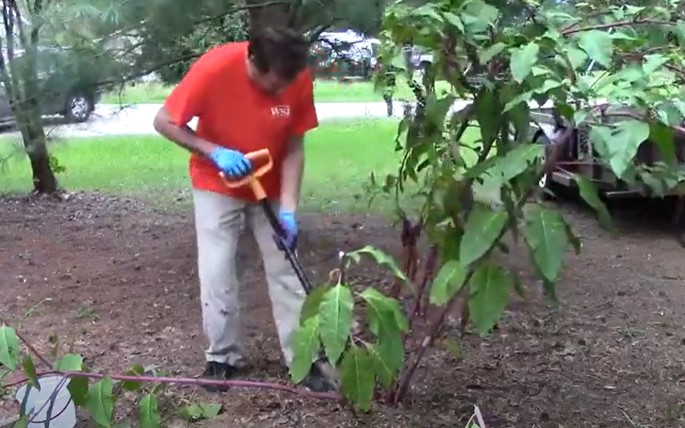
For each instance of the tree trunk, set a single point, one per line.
(27, 112)
(30, 123)
(44, 180)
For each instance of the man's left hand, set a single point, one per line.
(289, 225)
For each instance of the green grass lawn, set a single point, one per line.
(324, 91)
(340, 156)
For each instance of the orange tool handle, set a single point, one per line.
(252, 179)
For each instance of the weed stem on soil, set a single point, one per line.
(172, 380)
(190, 381)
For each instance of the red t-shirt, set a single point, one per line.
(234, 113)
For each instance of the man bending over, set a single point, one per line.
(247, 96)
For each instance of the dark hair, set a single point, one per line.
(279, 49)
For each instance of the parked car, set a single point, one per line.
(419, 57)
(67, 87)
(344, 54)
(580, 157)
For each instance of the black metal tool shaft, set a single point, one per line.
(289, 254)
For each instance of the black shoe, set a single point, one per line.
(218, 371)
(317, 381)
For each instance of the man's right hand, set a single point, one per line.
(231, 162)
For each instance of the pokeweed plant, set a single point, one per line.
(468, 157)
(470, 166)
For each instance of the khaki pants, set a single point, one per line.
(218, 222)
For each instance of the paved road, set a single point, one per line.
(137, 119)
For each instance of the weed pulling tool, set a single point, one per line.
(264, 157)
(253, 181)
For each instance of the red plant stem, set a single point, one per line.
(192, 381)
(405, 379)
(403, 384)
(409, 237)
(427, 274)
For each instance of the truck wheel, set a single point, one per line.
(78, 107)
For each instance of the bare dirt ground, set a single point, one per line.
(117, 283)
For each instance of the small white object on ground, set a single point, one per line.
(63, 413)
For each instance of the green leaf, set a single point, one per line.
(576, 57)
(382, 366)
(454, 20)
(436, 110)
(481, 13)
(653, 62)
(100, 402)
(30, 370)
(624, 144)
(588, 191)
(428, 10)
(305, 346)
(78, 388)
(357, 377)
(380, 257)
(516, 161)
(335, 321)
(482, 230)
(545, 233)
(69, 363)
(391, 348)
(399, 63)
(548, 85)
(598, 45)
(522, 61)
(387, 321)
(523, 97)
(200, 411)
(488, 110)
(22, 422)
(599, 136)
(490, 52)
(490, 287)
(385, 313)
(149, 413)
(449, 280)
(133, 385)
(311, 305)
(9, 347)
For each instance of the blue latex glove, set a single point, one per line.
(231, 162)
(289, 224)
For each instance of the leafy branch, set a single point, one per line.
(99, 398)
(472, 174)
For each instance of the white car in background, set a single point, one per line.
(350, 46)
